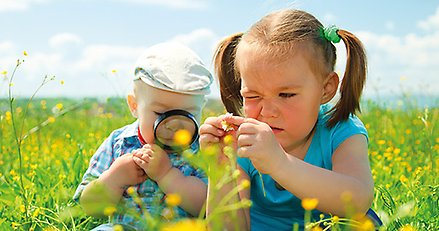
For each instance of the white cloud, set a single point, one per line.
(431, 22)
(179, 4)
(18, 5)
(65, 40)
(408, 63)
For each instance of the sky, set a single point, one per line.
(90, 46)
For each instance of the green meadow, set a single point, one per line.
(46, 144)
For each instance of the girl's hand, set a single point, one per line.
(216, 131)
(153, 160)
(257, 142)
(123, 172)
(211, 131)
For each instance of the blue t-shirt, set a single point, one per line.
(280, 209)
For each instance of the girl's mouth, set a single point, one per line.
(276, 130)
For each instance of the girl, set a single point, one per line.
(280, 75)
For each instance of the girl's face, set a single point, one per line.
(150, 102)
(286, 95)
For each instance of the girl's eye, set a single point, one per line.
(287, 95)
(251, 97)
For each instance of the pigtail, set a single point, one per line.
(353, 79)
(229, 81)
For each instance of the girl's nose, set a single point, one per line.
(268, 109)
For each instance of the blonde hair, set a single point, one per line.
(277, 34)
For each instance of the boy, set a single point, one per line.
(167, 76)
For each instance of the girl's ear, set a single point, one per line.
(330, 87)
(132, 104)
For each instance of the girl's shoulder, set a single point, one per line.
(343, 129)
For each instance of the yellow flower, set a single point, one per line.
(407, 228)
(245, 183)
(36, 212)
(228, 139)
(4, 72)
(335, 219)
(22, 209)
(62, 82)
(381, 142)
(226, 126)
(366, 225)
(403, 179)
(59, 106)
(173, 199)
(185, 225)
(15, 225)
(109, 211)
(130, 190)
(309, 203)
(182, 137)
(68, 136)
(113, 71)
(24, 53)
(51, 119)
(316, 228)
(117, 228)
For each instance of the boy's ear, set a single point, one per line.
(132, 104)
(330, 87)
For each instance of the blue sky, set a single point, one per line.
(80, 42)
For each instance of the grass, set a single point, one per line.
(62, 134)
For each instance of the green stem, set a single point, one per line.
(17, 140)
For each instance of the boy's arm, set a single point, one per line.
(107, 190)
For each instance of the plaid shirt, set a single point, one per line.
(121, 142)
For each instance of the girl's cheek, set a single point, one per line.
(251, 109)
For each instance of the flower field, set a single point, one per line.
(45, 146)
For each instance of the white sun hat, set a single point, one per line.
(173, 67)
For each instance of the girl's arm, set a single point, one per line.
(351, 176)
(214, 197)
(191, 189)
(211, 133)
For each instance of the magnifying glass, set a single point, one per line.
(168, 124)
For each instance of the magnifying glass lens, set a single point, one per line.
(174, 131)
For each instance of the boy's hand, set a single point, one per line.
(123, 172)
(153, 160)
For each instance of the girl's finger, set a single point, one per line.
(208, 138)
(210, 129)
(235, 120)
(245, 140)
(244, 151)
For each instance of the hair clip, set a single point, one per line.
(330, 33)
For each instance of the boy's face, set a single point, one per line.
(148, 103)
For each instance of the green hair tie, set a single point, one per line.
(330, 33)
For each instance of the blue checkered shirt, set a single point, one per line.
(121, 142)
